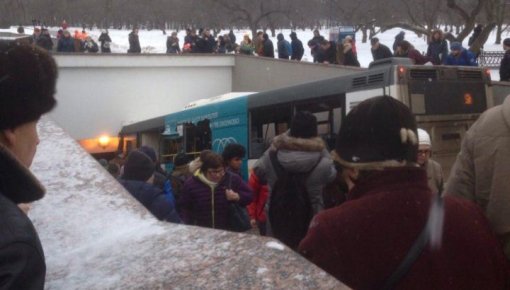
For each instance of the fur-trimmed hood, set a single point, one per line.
(299, 154)
(17, 183)
(286, 142)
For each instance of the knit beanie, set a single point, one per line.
(423, 137)
(506, 42)
(303, 125)
(379, 132)
(455, 46)
(28, 77)
(138, 166)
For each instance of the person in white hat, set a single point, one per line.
(434, 170)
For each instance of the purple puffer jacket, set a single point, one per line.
(196, 205)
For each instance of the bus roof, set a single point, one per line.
(373, 78)
(220, 98)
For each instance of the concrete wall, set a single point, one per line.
(98, 94)
(258, 74)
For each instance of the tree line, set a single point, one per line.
(459, 17)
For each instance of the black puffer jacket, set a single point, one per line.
(22, 264)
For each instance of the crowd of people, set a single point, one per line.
(373, 211)
(322, 50)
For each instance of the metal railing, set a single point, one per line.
(490, 59)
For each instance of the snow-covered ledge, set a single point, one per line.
(96, 236)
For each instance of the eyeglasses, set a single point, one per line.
(217, 172)
(423, 152)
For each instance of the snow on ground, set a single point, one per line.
(154, 41)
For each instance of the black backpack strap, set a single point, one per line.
(277, 166)
(413, 253)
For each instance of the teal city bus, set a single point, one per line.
(446, 100)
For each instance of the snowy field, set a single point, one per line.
(155, 42)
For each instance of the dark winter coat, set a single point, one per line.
(314, 43)
(45, 42)
(153, 199)
(268, 48)
(65, 44)
(283, 49)
(465, 58)
(350, 58)
(398, 39)
(22, 264)
(328, 55)
(437, 52)
(362, 241)
(297, 49)
(206, 44)
(232, 37)
(105, 41)
(134, 43)
(504, 68)
(476, 33)
(381, 52)
(192, 40)
(199, 208)
(417, 57)
(172, 45)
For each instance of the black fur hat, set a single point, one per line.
(379, 132)
(303, 125)
(28, 77)
(138, 166)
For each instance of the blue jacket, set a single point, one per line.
(284, 49)
(65, 44)
(465, 58)
(153, 198)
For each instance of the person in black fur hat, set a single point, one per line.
(28, 77)
(138, 179)
(390, 209)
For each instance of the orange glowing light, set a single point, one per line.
(103, 141)
(468, 99)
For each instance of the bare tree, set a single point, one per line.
(253, 12)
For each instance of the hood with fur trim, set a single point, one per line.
(17, 183)
(298, 154)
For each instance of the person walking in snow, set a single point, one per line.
(105, 41)
(284, 48)
(134, 42)
(268, 48)
(297, 47)
(172, 43)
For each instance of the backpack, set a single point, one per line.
(290, 209)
